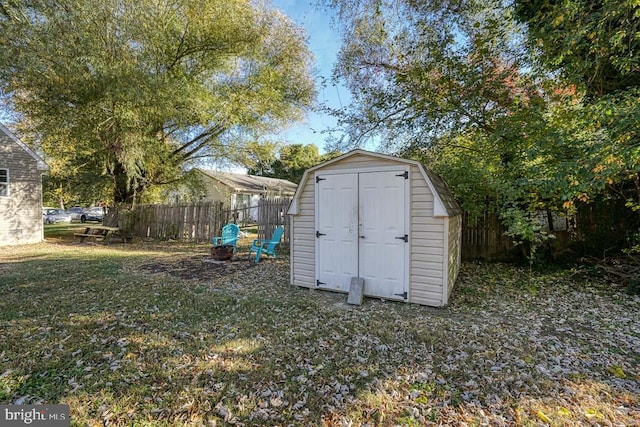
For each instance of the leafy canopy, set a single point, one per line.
(514, 121)
(134, 90)
(594, 46)
(593, 43)
(286, 162)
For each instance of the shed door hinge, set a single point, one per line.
(405, 238)
(318, 179)
(319, 283)
(318, 234)
(403, 295)
(405, 175)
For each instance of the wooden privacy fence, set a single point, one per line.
(484, 237)
(271, 214)
(199, 222)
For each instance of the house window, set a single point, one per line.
(244, 201)
(4, 182)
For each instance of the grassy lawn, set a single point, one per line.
(153, 334)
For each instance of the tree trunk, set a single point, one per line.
(123, 190)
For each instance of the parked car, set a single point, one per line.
(95, 213)
(76, 213)
(53, 215)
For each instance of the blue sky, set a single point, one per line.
(324, 42)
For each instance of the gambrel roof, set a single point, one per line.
(444, 202)
(252, 184)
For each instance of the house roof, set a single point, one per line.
(444, 202)
(252, 183)
(41, 163)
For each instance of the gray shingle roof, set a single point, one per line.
(446, 196)
(252, 183)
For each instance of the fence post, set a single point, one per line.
(271, 214)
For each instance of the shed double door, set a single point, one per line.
(361, 232)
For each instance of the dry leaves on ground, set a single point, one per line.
(154, 338)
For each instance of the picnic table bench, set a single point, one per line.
(100, 232)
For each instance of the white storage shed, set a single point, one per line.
(387, 220)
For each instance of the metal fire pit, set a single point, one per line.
(222, 252)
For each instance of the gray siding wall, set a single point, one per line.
(21, 210)
(427, 254)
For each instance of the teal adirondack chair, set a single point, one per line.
(267, 246)
(230, 235)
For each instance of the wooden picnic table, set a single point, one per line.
(99, 232)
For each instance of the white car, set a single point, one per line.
(95, 213)
(76, 213)
(53, 216)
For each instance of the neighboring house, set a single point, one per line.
(243, 191)
(20, 191)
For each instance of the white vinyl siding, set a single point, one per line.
(303, 249)
(216, 191)
(427, 242)
(21, 200)
(359, 162)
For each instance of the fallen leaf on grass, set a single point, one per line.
(592, 413)
(617, 371)
(223, 411)
(543, 417)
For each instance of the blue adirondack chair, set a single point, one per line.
(230, 235)
(267, 246)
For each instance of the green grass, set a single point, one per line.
(251, 230)
(62, 230)
(150, 334)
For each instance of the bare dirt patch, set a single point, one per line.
(197, 267)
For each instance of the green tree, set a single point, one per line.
(457, 84)
(135, 90)
(594, 43)
(447, 83)
(259, 158)
(290, 162)
(595, 46)
(419, 71)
